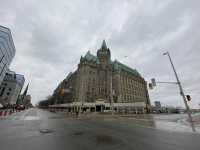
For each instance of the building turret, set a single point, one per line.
(103, 54)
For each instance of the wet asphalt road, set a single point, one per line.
(36, 129)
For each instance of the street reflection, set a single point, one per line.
(167, 122)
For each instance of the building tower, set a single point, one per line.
(103, 55)
(104, 72)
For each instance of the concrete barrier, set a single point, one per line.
(4, 113)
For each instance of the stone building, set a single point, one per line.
(99, 82)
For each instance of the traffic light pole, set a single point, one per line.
(181, 92)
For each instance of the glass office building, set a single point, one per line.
(7, 50)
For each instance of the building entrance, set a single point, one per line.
(100, 108)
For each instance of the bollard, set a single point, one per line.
(1, 113)
(10, 112)
(5, 113)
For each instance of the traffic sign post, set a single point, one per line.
(181, 92)
(185, 97)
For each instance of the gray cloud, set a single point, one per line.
(50, 37)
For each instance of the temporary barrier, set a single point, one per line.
(1, 113)
(6, 112)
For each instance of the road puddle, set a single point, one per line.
(45, 131)
(78, 133)
(105, 139)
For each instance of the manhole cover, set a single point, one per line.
(46, 131)
(106, 139)
(78, 133)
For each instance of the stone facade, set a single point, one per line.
(99, 79)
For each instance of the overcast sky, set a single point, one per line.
(50, 36)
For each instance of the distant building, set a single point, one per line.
(11, 87)
(157, 104)
(26, 102)
(158, 108)
(7, 50)
(98, 81)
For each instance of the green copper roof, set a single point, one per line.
(90, 57)
(117, 66)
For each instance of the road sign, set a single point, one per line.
(150, 86)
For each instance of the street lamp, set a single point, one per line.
(111, 94)
(181, 91)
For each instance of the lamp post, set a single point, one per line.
(111, 94)
(181, 92)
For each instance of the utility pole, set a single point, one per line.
(81, 100)
(181, 92)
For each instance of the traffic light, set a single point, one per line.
(188, 97)
(150, 86)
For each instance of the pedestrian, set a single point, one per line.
(77, 113)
